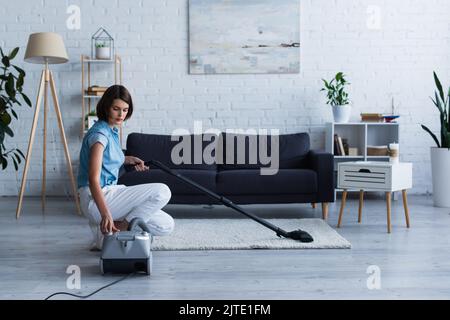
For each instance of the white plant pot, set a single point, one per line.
(91, 121)
(341, 114)
(440, 168)
(103, 53)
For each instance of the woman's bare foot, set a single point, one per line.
(121, 225)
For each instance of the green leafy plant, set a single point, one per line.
(441, 102)
(101, 45)
(11, 85)
(335, 89)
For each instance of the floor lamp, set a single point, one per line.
(46, 48)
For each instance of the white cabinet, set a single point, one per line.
(375, 176)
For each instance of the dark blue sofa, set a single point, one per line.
(304, 176)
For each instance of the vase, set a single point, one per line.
(341, 114)
(440, 169)
(91, 121)
(103, 53)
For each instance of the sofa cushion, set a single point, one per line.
(159, 147)
(293, 150)
(250, 181)
(205, 178)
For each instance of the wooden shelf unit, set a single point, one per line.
(86, 100)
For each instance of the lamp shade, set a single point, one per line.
(46, 46)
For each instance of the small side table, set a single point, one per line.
(375, 176)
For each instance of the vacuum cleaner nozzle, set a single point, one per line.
(300, 235)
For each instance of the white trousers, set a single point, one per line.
(143, 201)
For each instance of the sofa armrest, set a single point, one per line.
(323, 164)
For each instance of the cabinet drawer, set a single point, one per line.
(366, 177)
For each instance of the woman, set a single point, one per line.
(109, 206)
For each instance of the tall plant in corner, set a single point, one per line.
(11, 85)
(442, 103)
(440, 155)
(338, 97)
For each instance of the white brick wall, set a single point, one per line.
(394, 61)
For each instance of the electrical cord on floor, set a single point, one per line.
(91, 294)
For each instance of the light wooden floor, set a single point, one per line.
(36, 250)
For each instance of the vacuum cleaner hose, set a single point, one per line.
(300, 235)
(138, 222)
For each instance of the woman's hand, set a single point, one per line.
(107, 224)
(138, 163)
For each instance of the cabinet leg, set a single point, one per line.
(325, 211)
(313, 205)
(361, 200)
(405, 206)
(344, 198)
(388, 205)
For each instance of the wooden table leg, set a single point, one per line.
(344, 198)
(313, 204)
(388, 205)
(361, 199)
(324, 210)
(405, 206)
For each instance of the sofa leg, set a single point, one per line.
(313, 204)
(325, 210)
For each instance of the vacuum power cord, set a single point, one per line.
(91, 294)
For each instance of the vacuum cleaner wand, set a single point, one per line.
(296, 235)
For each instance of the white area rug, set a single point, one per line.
(215, 234)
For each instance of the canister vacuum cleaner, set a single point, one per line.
(128, 251)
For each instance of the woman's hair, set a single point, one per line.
(114, 92)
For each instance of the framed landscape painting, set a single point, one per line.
(252, 36)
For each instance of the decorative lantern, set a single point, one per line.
(102, 45)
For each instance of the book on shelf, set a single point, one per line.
(94, 93)
(97, 88)
(345, 144)
(372, 117)
(340, 146)
(336, 146)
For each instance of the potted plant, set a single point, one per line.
(440, 155)
(11, 84)
(91, 119)
(338, 98)
(102, 51)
